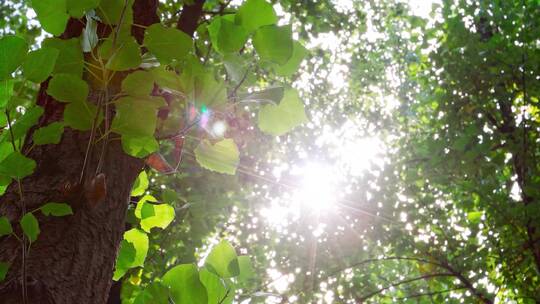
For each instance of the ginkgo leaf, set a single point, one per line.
(274, 43)
(71, 55)
(12, 53)
(184, 284)
(167, 44)
(52, 15)
(222, 260)
(30, 226)
(56, 209)
(139, 146)
(256, 13)
(291, 66)
(133, 252)
(5, 226)
(4, 267)
(39, 64)
(140, 185)
(16, 165)
(68, 88)
(50, 134)
(280, 119)
(154, 215)
(138, 83)
(222, 157)
(80, 115)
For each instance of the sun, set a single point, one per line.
(317, 187)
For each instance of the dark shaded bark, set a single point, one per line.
(190, 16)
(73, 259)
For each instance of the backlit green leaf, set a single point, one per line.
(17, 166)
(280, 119)
(110, 11)
(255, 13)
(136, 117)
(226, 36)
(167, 44)
(291, 66)
(139, 241)
(12, 52)
(140, 185)
(215, 288)
(30, 226)
(5, 226)
(154, 215)
(139, 146)
(184, 284)
(50, 134)
(222, 157)
(246, 270)
(24, 123)
(274, 43)
(6, 91)
(52, 15)
(56, 209)
(223, 261)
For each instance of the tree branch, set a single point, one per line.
(189, 18)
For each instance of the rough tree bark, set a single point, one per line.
(73, 259)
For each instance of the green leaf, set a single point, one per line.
(222, 157)
(126, 54)
(215, 288)
(68, 88)
(235, 66)
(52, 15)
(23, 124)
(71, 55)
(152, 215)
(6, 91)
(13, 49)
(155, 293)
(110, 11)
(291, 66)
(4, 267)
(139, 241)
(274, 43)
(246, 270)
(80, 115)
(30, 226)
(184, 284)
(272, 94)
(5, 226)
(226, 36)
(136, 117)
(56, 209)
(17, 166)
(280, 119)
(166, 79)
(141, 146)
(475, 216)
(140, 185)
(40, 64)
(167, 44)
(50, 134)
(77, 8)
(255, 13)
(126, 256)
(139, 83)
(223, 261)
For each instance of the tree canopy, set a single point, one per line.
(291, 151)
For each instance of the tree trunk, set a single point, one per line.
(73, 259)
